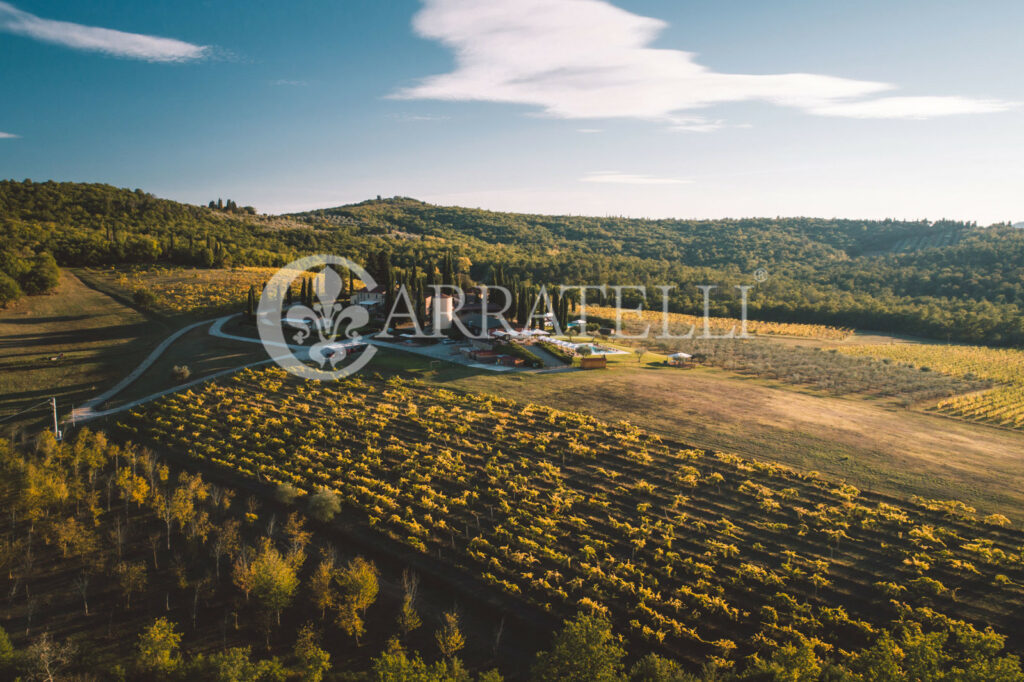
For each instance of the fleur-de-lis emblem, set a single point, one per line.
(326, 318)
(321, 331)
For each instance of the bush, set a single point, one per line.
(144, 298)
(43, 276)
(324, 505)
(286, 493)
(9, 290)
(519, 351)
(181, 373)
(557, 351)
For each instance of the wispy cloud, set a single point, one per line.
(418, 117)
(616, 178)
(7, 136)
(96, 39)
(913, 107)
(581, 59)
(589, 131)
(290, 83)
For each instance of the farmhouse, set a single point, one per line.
(369, 297)
(442, 310)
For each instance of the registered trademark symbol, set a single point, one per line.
(760, 274)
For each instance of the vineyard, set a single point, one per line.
(679, 323)
(705, 556)
(1003, 405)
(178, 291)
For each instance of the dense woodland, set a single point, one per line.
(960, 282)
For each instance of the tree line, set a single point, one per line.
(838, 272)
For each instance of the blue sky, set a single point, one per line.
(641, 108)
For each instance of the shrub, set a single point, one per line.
(286, 493)
(42, 276)
(557, 351)
(520, 351)
(181, 373)
(144, 298)
(324, 505)
(9, 290)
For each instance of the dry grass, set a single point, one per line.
(98, 336)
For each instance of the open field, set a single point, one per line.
(707, 557)
(197, 350)
(99, 337)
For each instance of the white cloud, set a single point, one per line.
(7, 136)
(589, 131)
(913, 107)
(586, 59)
(616, 178)
(95, 39)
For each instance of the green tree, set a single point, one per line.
(43, 276)
(274, 579)
(654, 668)
(408, 618)
(791, 663)
(7, 653)
(584, 650)
(9, 290)
(158, 652)
(359, 588)
(313, 661)
(449, 636)
(236, 665)
(132, 578)
(321, 584)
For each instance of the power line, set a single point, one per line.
(28, 409)
(52, 402)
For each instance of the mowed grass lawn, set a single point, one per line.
(872, 444)
(101, 339)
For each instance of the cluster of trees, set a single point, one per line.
(25, 273)
(93, 224)
(585, 649)
(120, 533)
(231, 207)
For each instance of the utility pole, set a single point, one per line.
(56, 428)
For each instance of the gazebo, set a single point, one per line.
(680, 360)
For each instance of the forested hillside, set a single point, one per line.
(858, 273)
(947, 280)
